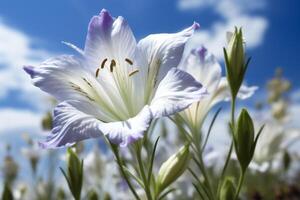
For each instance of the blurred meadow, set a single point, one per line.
(32, 31)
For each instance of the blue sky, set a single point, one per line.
(32, 30)
(54, 21)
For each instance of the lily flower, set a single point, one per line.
(205, 68)
(116, 86)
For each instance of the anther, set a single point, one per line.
(97, 72)
(112, 65)
(128, 61)
(103, 63)
(133, 72)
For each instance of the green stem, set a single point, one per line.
(204, 172)
(120, 164)
(233, 103)
(240, 184)
(142, 171)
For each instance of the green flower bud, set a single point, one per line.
(286, 160)
(7, 193)
(235, 61)
(92, 195)
(74, 175)
(244, 139)
(227, 191)
(173, 168)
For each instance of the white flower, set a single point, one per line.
(117, 86)
(272, 143)
(205, 69)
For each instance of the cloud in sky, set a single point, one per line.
(17, 49)
(233, 13)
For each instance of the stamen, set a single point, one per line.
(112, 65)
(87, 82)
(97, 72)
(103, 63)
(133, 72)
(128, 61)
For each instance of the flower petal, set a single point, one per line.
(204, 67)
(77, 120)
(176, 92)
(126, 132)
(164, 51)
(65, 78)
(108, 38)
(71, 125)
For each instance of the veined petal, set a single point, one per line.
(204, 67)
(71, 125)
(65, 78)
(162, 52)
(176, 92)
(126, 132)
(108, 38)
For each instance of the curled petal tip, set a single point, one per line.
(201, 52)
(104, 11)
(29, 70)
(196, 26)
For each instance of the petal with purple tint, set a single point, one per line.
(77, 120)
(164, 51)
(176, 92)
(108, 38)
(65, 78)
(204, 67)
(126, 132)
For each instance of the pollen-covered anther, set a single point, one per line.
(129, 61)
(112, 65)
(97, 72)
(103, 63)
(133, 72)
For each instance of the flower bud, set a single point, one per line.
(244, 139)
(227, 191)
(173, 168)
(74, 175)
(235, 61)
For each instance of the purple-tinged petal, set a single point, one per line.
(71, 124)
(74, 121)
(175, 93)
(126, 132)
(29, 70)
(164, 51)
(108, 38)
(204, 67)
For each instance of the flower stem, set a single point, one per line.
(233, 104)
(240, 184)
(120, 164)
(142, 171)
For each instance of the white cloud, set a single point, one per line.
(215, 38)
(234, 13)
(16, 50)
(19, 120)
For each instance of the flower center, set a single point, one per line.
(113, 64)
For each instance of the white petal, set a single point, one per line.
(204, 67)
(164, 51)
(126, 132)
(78, 120)
(176, 92)
(71, 124)
(65, 78)
(108, 38)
